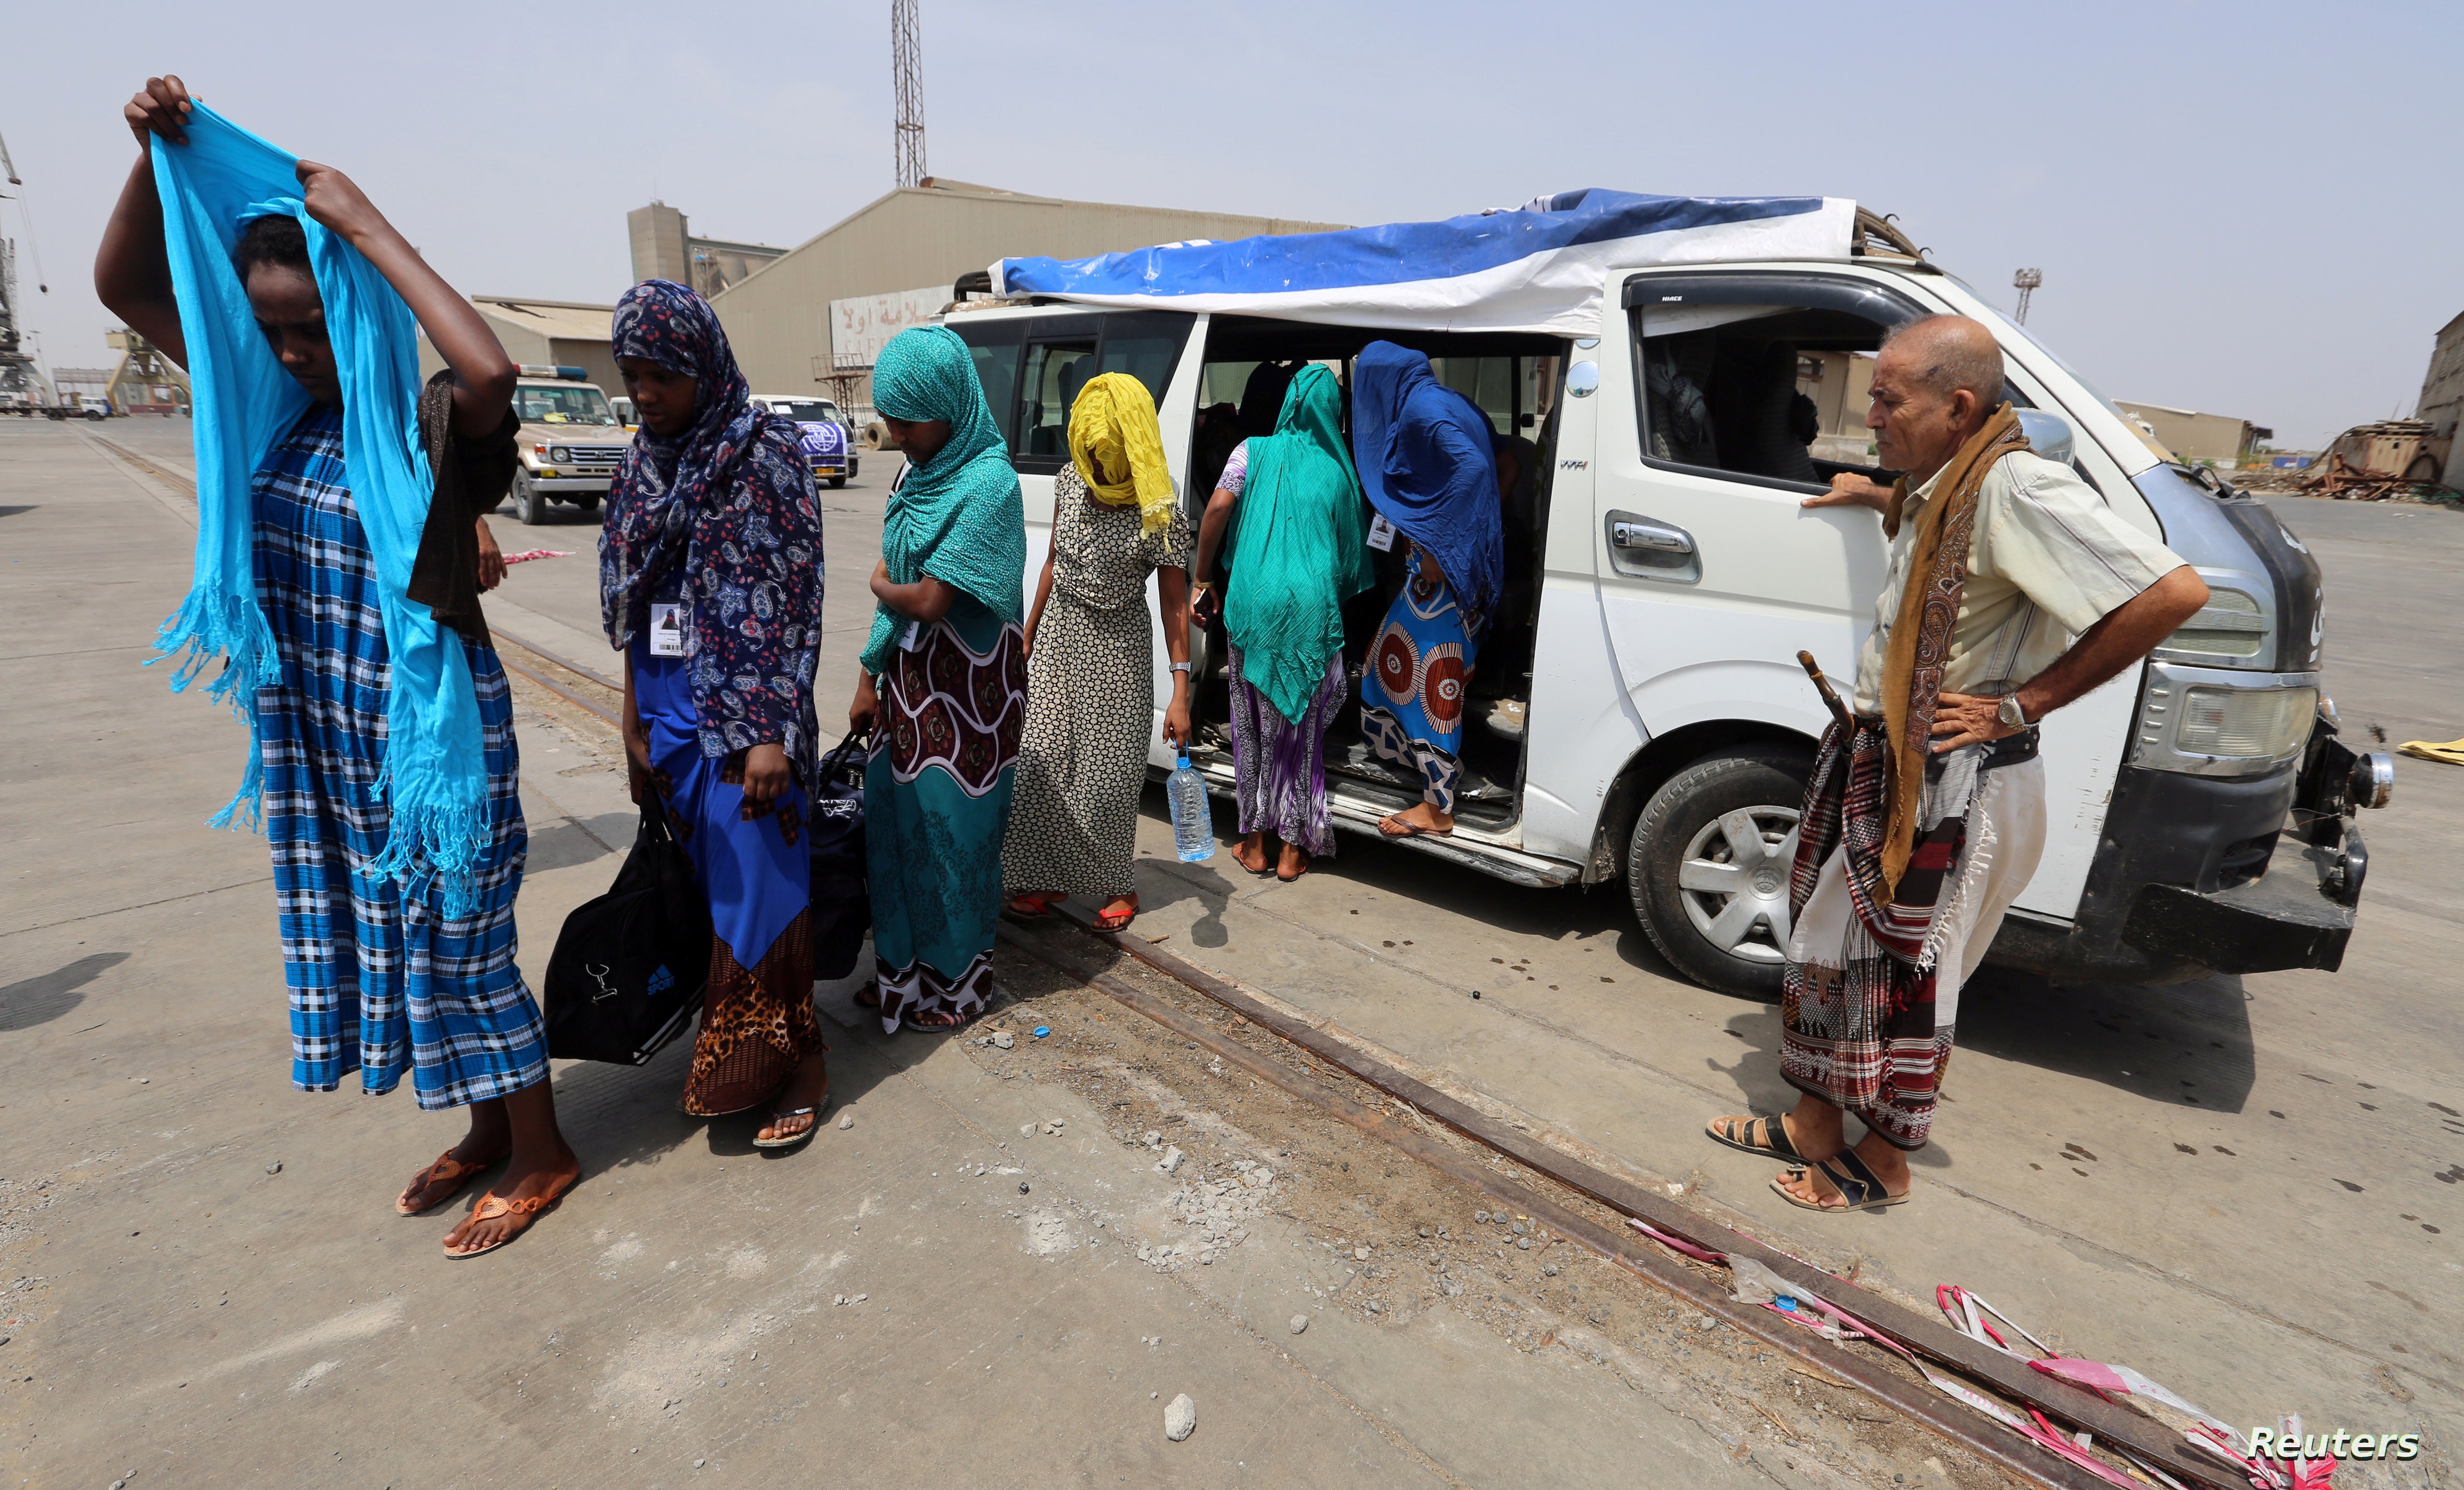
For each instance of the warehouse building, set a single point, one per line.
(809, 320)
(2442, 399)
(2217, 440)
(664, 248)
(563, 333)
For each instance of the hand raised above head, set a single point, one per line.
(337, 201)
(1848, 489)
(159, 108)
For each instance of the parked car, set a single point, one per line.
(570, 441)
(827, 443)
(1637, 716)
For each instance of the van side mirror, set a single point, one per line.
(2049, 434)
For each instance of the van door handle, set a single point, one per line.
(1646, 548)
(1643, 533)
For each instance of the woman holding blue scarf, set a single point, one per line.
(945, 674)
(709, 583)
(1425, 463)
(339, 569)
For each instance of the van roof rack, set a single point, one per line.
(1877, 235)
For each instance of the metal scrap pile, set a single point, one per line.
(2375, 462)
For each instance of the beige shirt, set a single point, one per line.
(2046, 561)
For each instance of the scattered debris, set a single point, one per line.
(1171, 1162)
(1300, 1323)
(1180, 1418)
(1002, 1039)
(847, 1120)
(276, 1168)
(2393, 458)
(1043, 1030)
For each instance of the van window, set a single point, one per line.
(1146, 346)
(1055, 372)
(995, 346)
(1760, 376)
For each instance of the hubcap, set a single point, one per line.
(1734, 882)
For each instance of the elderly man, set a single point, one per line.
(2011, 590)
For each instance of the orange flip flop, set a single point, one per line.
(492, 1205)
(447, 1168)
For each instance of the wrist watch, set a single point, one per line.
(2008, 711)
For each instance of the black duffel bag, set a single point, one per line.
(842, 906)
(630, 966)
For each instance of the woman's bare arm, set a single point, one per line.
(132, 271)
(483, 375)
(927, 600)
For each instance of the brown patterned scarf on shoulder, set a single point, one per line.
(1929, 607)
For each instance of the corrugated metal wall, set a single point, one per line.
(778, 319)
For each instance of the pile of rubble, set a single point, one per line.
(2393, 459)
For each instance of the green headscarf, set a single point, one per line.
(958, 516)
(1301, 550)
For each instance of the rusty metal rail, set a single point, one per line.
(2072, 1406)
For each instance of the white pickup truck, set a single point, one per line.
(570, 443)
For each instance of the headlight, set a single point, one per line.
(560, 454)
(2244, 723)
(2213, 722)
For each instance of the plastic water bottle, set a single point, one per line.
(1193, 821)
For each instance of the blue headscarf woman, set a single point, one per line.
(945, 673)
(710, 583)
(1427, 468)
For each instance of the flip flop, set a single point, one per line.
(446, 1168)
(492, 1205)
(1860, 1188)
(1116, 922)
(1765, 1138)
(794, 1140)
(1030, 905)
(908, 1022)
(1389, 825)
(869, 997)
(1306, 865)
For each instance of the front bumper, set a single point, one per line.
(2196, 875)
(566, 485)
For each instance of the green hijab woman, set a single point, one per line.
(1300, 549)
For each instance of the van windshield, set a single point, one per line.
(564, 403)
(808, 411)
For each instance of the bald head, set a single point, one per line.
(1944, 354)
(1935, 383)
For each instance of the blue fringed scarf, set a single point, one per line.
(434, 780)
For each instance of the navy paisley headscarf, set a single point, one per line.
(728, 509)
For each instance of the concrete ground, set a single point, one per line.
(2245, 1188)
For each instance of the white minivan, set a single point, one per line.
(1637, 715)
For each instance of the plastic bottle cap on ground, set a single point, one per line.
(1786, 1303)
(1043, 1030)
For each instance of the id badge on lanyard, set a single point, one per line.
(667, 630)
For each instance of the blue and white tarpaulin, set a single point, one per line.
(1542, 266)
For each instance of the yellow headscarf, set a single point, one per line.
(1112, 430)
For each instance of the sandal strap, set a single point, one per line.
(1860, 1185)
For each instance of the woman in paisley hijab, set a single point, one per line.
(709, 578)
(945, 671)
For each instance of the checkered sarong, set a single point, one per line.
(1858, 1026)
(379, 979)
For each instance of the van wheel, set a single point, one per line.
(837, 483)
(1708, 867)
(528, 505)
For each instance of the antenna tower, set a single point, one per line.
(2025, 281)
(907, 72)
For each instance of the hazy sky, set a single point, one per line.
(2254, 210)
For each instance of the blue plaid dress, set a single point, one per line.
(379, 981)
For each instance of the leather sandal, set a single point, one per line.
(1763, 1137)
(446, 1169)
(492, 1205)
(1860, 1188)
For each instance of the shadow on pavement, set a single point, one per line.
(41, 1000)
